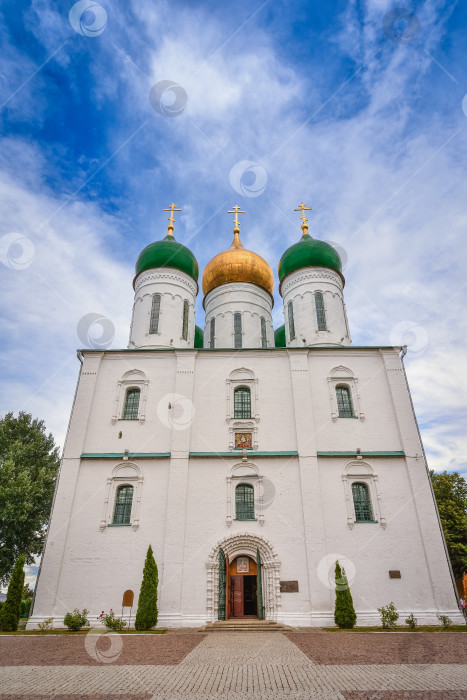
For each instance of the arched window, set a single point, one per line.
(155, 311)
(237, 330)
(320, 312)
(291, 321)
(185, 321)
(130, 410)
(123, 502)
(212, 333)
(264, 340)
(244, 502)
(242, 402)
(362, 503)
(344, 401)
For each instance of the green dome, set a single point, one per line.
(168, 253)
(309, 252)
(279, 337)
(199, 337)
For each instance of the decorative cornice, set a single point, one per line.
(162, 274)
(310, 275)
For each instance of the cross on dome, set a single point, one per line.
(303, 208)
(170, 227)
(236, 210)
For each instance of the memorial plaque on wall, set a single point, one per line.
(127, 601)
(395, 574)
(289, 586)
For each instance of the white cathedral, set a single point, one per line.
(251, 460)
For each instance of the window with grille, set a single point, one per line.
(237, 330)
(291, 321)
(185, 321)
(344, 402)
(155, 311)
(362, 503)
(242, 402)
(123, 502)
(244, 502)
(130, 410)
(320, 312)
(212, 333)
(264, 340)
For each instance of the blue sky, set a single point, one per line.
(344, 105)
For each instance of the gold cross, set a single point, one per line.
(172, 208)
(303, 208)
(236, 210)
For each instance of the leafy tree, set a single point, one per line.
(28, 466)
(27, 592)
(344, 612)
(11, 609)
(451, 497)
(146, 615)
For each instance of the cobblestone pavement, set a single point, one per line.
(240, 666)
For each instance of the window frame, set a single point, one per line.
(344, 376)
(291, 321)
(123, 474)
(186, 313)
(238, 330)
(126, 511)
(362, 472)
(212, 333)
(252, 507)
(155, 314)
(264, 333)
(126, 406)
(341, 409)
(363, 487)
(320, 312)
(241, 415)
(136, 379)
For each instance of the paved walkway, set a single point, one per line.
(236, 666)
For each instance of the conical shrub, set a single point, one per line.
(11, 609)
(344, 612)
(146, 615)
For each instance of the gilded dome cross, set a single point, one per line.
(236, 210)
(170, 227)
(303, 208)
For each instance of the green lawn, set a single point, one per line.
(62, 631)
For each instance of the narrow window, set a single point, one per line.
(185, 321)
(264, 340)
(244, 502)
(344, 401)
(212, 333)
(237, 330)
(291, 321)
(320, 312)
(155, 311)
(122, 512)
(130, 410)
(362, 503)
(242, 402)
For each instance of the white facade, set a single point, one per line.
(320, 419)
(174, 289)
(299, 290)
(249, 300)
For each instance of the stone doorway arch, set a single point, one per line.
(246, 545)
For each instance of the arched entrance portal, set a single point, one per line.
(243, 579)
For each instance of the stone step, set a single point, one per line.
(239, 625)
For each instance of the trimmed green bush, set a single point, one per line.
(11, 609)
(389, 616)
(25, 607)
(146, 615)
(75, 620)
(344, 612)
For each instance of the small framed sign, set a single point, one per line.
(289, 586)
(395, 574)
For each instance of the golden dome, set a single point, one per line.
(236, 264)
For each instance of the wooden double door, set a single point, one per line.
(242, 588)
(243, 596)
